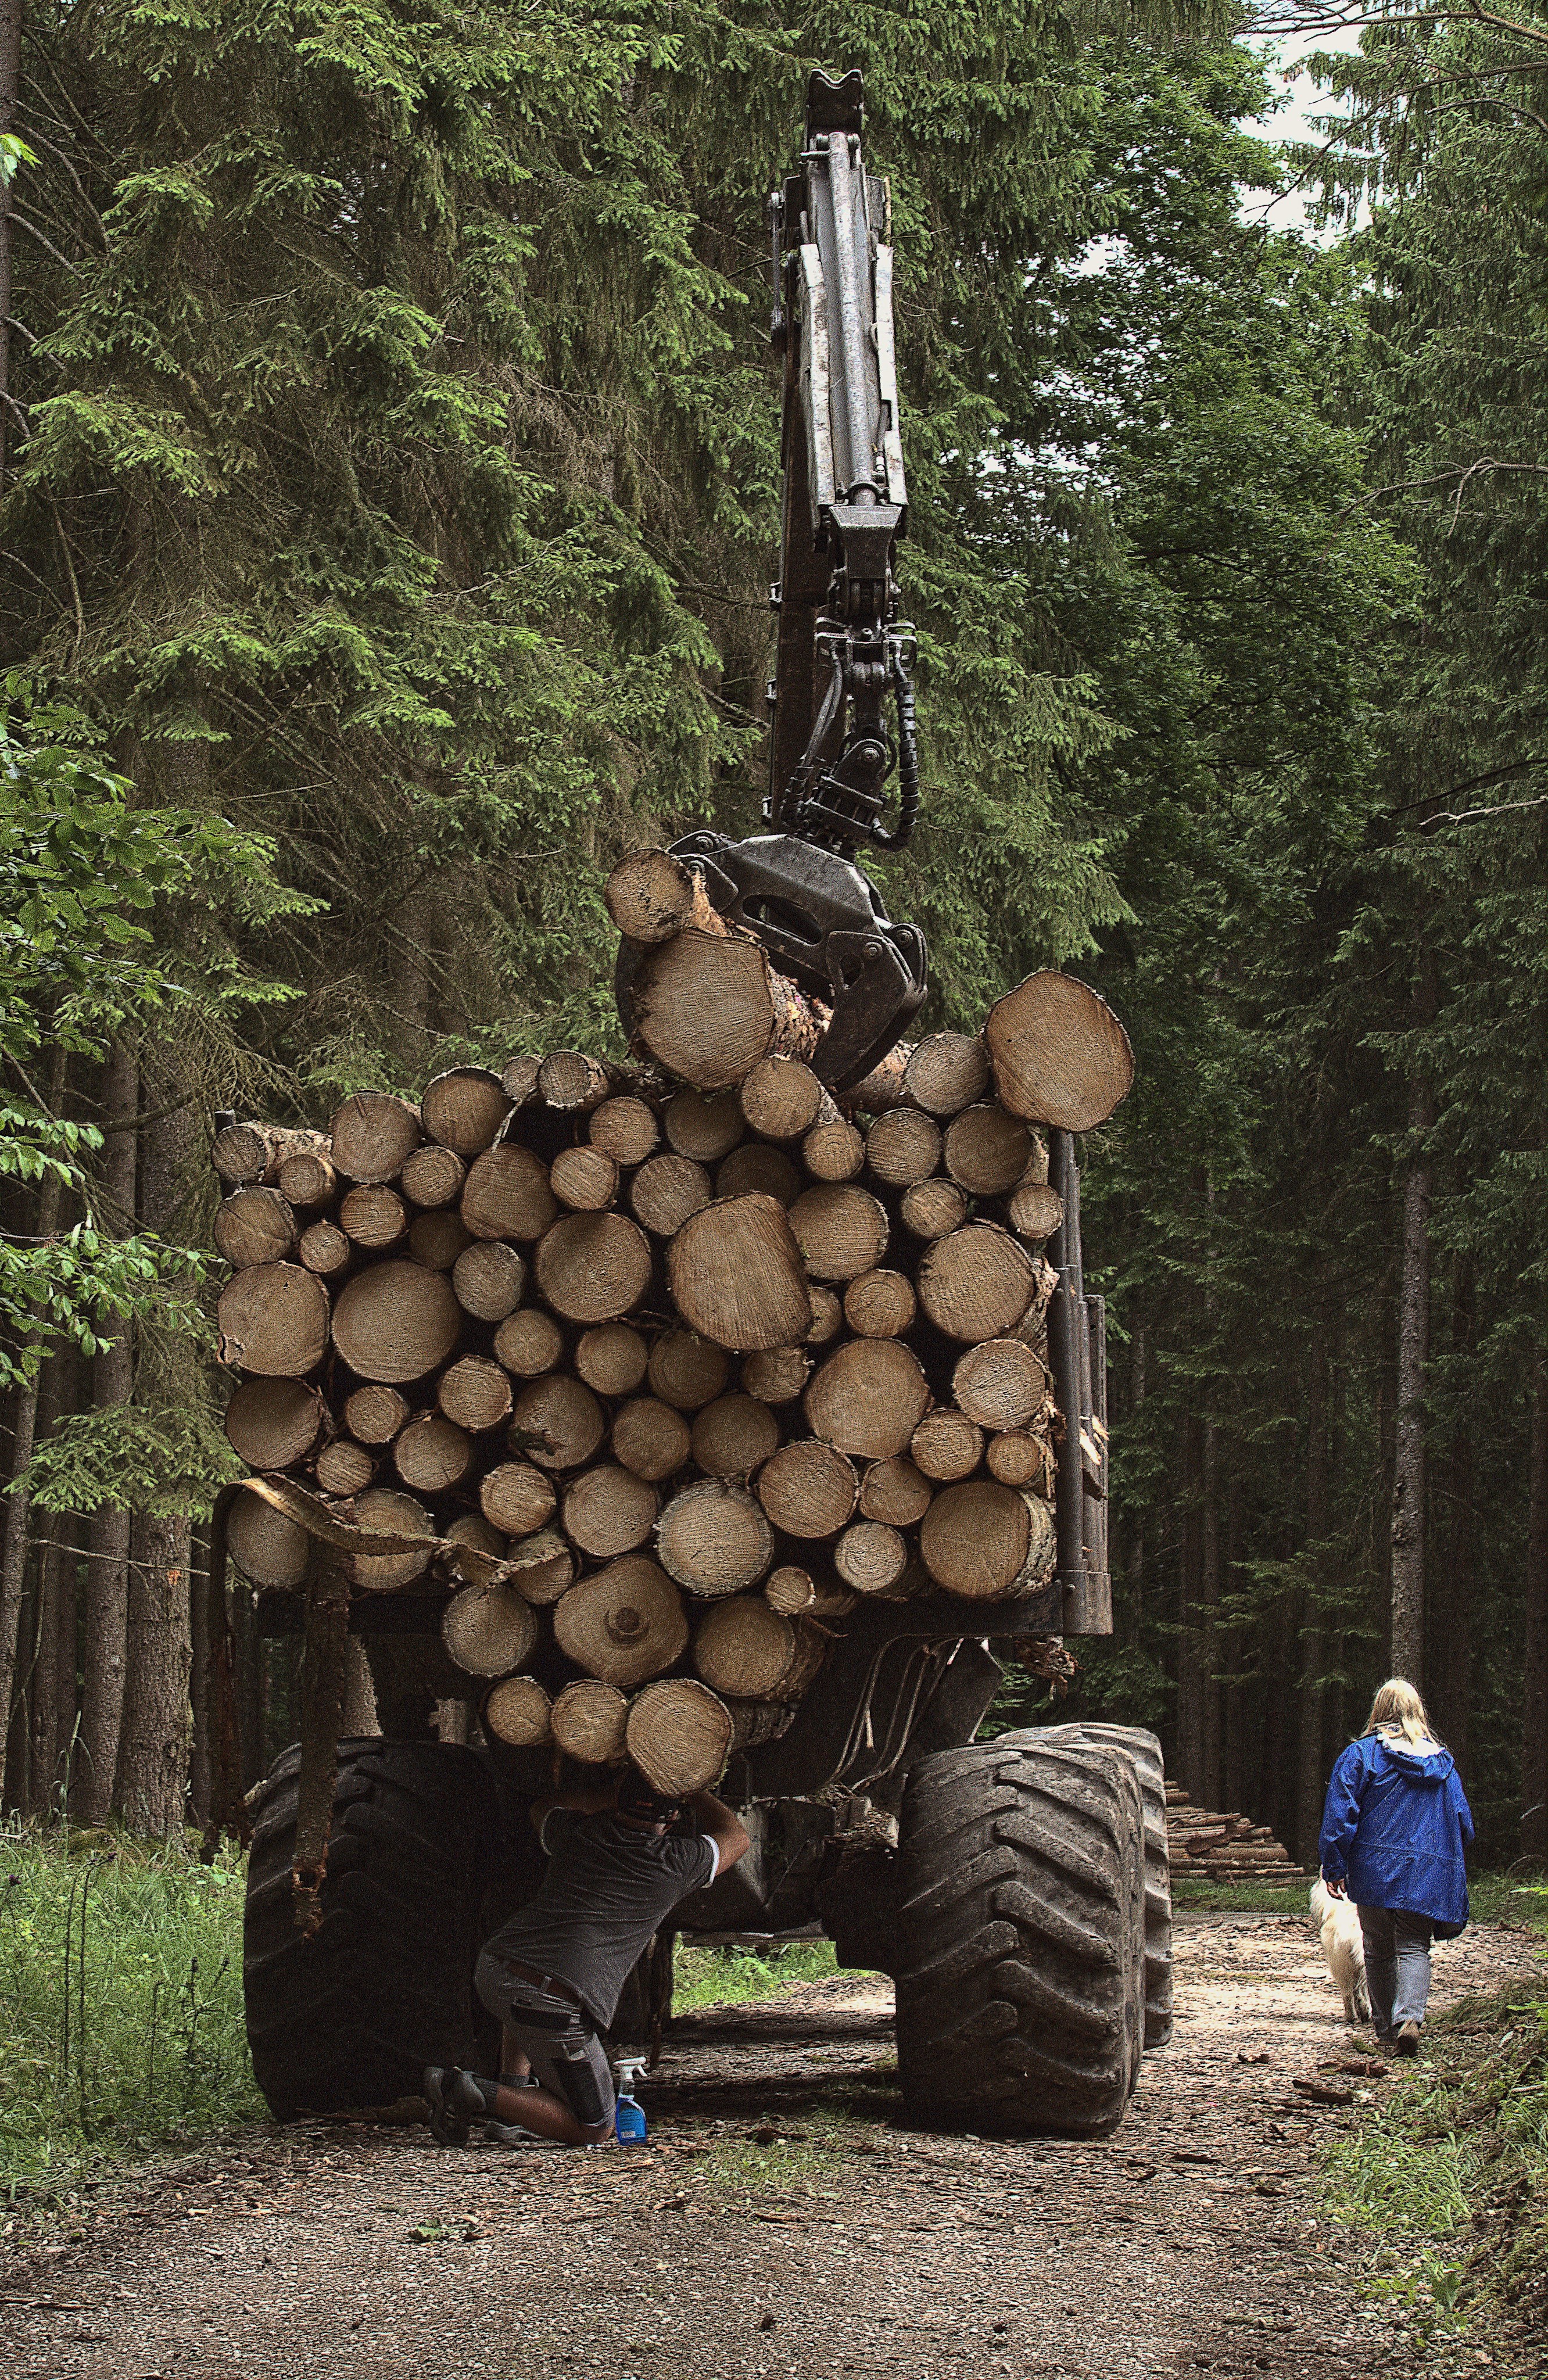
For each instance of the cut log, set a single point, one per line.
(584, 1179)
(781, 1099)
(438, 1239)
(789, 1590)
(652, 895)
(543, 1567)
(1034, 1210)
(903, 1147)
(625, 1129)
(488, 1279)
(527, 1343)
(703, 1126)
(1060, 1055)
(593, 1268)
(987, 1151)
(679, 1735)
(254, 1227)
(516, 1498)
(1020, 1460)
(470, 1529)
(667, 1191)
(464, 1109)
(714, 1538)
(896, 1491)
(650, 1439)
(394, 1514)
(431, 1454)
(624, 1624)
(272, 1423)
(569, 1080)
(517, 1713)
(254, 1152)
(869, 1398)
(946, 1071)
(268, 1548)
(518, 1079)
(324, 1249)
(808, 1489)
(880, 1304)
(395, 1322)
(882, 1087)
(732, 1436)
(981, 1539)
(833, 1151)
(735, 1274)
(611, 1358)
(947, 1445)
(307, 1179)
(373, 1216)
(609, 1511)
(827, 1316)
(708, 1008)
(776, 1375)
(976, 1283)
(343, 1468)
(841, 1230)
(930, 1209)
(686, 1371)
(475, 1393)
(506, 1194)
(1000, 1384)
(273, 1320)
(489, 1631)
(756, 1166)
(374, 1415)
(871, 1558)
(743, 1647)
(372, 1134)
(588, 1723)
(558, 1423)
(433, 1176)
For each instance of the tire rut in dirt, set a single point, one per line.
(1144, 1750)
(350, 2016)
(1021, 1937)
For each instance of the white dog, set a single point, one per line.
(1344, 1948)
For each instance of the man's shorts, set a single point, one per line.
(557, 2036)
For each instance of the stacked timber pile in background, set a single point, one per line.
(655, 1370)
(1222, 1847)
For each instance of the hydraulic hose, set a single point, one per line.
(898, 837)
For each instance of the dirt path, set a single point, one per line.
(777, 2225)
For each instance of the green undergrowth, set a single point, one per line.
(704, 1978)
(120, 2002)
(1244, 1900)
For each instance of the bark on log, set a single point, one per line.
(267, 1547)
(947, 1445)
(871, 1558)
(325, 1250)
(433, 1176)
(432, 1455)
(1059, 1053)
(652, 895)
(1034, 1210)
(833, 1151)
(517, 1712)
(735, 1274)
(475, 1393)
(930, 1209)
(705, 1125)
(543, 1567)
(743, 1647)
(987, 1151)
(976, 1283)
(714, 1538)
(624, 1625)
(650, 1439)
(776, 1375)
(255, 1226)
(880, 1304)
(896, 1491)
(1001, 1384)
(558, 1423)
(254, 1152)
(488, 1279)
(708, 1009)
(946, 1071)
(274, 1321)
(827, 1316)
(593, 1268)
(272, 1423)
(756, 1166)
(588, 1723)
(732, 1436)
(395, 1322)
(611, 1358)
(436, 1240)
(489, 1631)
(869, 1398)
(667, 1191)
(371, 1136)
(584, 1179)
(981, 1539)
(841, 1230)
(464, 1108)
(517, 1498)
(679, 1735)
(506, 1194)
(388, 1509)
(373, 1216)
(624, 1128)
(882, 1087)
(781, 1099)
(373, 1414)
(481, 1536)
(903, 1147)
(343, 1468)
(528, 1343)
(808, 1489)
(574, 1083)
(609, 1511)
(686, 1371)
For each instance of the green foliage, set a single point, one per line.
(708, 1978)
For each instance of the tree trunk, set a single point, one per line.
(1413, 1356)
(1452, 1630)
(201, 1637)
(14, 1546)
(1314, 1640)
(107, 1587)
(10, 78)
(1190, 1696)
(1208, 1631)
(56, 1578)
(1534, 1699)
(1134, 1618)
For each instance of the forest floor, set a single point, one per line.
(779, 2222)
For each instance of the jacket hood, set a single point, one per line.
(1424, 1767)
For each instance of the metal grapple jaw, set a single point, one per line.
(823, 923)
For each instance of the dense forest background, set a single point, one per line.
(388, 496)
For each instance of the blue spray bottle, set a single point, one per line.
(629, 2123)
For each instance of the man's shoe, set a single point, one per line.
(1406, 2041)
(455, 2100)
(516, 2136)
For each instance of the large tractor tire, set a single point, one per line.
(350, 2016)
(1144, 1750)
(1021, 1937)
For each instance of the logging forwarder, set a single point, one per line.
(620, 1858)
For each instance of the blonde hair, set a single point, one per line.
(1399, 1715)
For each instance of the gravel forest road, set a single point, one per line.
(777, 2225)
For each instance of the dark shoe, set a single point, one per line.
(1407, 2040)
(455, 2102)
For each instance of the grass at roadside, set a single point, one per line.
(704, 1978)
(1242, 1899)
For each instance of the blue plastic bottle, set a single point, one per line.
(629, 2123)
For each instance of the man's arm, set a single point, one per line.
(723, 1828)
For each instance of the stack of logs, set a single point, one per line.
(656, 1370)
(1222, 1847)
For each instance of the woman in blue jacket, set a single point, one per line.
(1394, 1829)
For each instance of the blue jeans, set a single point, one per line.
(1396, 1966)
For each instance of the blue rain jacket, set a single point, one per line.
(1395, 1824)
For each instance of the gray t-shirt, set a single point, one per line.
(609, 1886)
